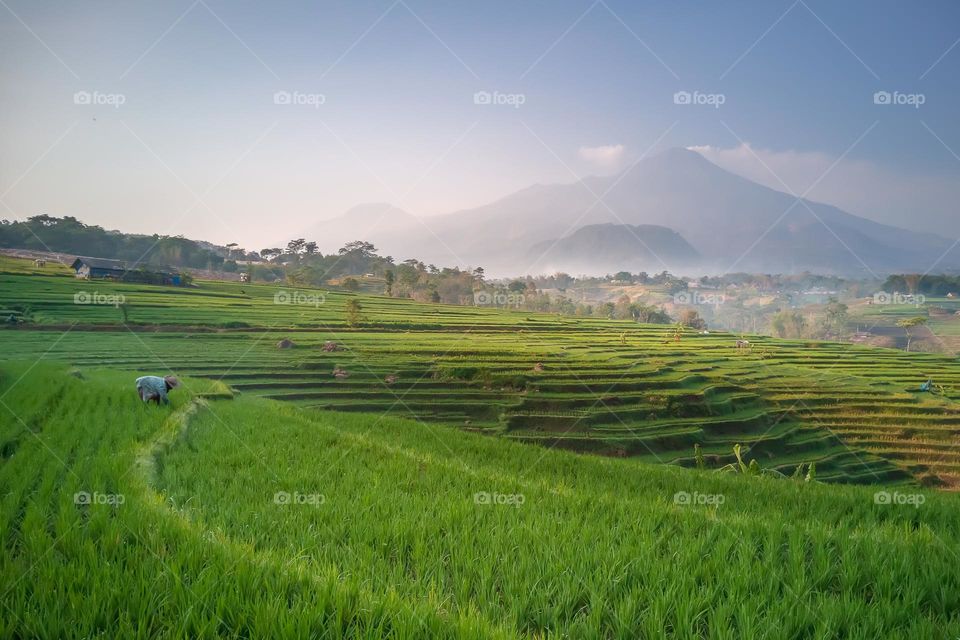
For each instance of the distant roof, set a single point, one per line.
(100, 263)
(121, 265)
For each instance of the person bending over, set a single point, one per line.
(155, 388)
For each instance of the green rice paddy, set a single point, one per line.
(467, 473)
(601, 386)
(235, 516)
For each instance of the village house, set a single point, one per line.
(98, 268)
(105, 269)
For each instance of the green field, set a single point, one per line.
(406, 498)
(241, 517)
(608, 387)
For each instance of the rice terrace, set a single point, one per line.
(416, 319)
(374, 490)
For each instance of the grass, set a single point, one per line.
(238, 516)
(556, 381)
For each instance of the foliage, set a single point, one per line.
(910, 323)
(69, 235)
(788, 324)
(354, 313)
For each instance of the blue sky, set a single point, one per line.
(199, 145)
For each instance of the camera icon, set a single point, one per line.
(682, 97)
(281, 497)
(482, 497)
(681, 498)
(81, 497)
(82, 97)
(82, 297)
(683, 297)
(482, 297)
(882, 97)
(882, 298)
(882, 497)
(282, 97)
(482, 97)
(282, 297)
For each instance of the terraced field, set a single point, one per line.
(232, 516)
(607, 387)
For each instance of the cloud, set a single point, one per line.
(607, 156)
(920, 202)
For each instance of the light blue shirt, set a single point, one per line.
(154, 386)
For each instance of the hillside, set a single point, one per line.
(614, 247)
(733, 223)
(130, 521)
(608, 387)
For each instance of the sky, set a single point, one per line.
(248, 122)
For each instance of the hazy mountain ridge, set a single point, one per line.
(730, 222)
(612, 247)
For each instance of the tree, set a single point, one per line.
(909, 323)
(691, 318)
(310, 248)
(517, 286)
(562, 280)
(269, 253)
(360, 248)
(834, 318)
(621, 310)
(912, 280)
(350, 284)
(788, 324)
(389, 278)
(296, 246)
(354, 313)
(478, 273)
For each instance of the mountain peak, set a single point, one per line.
(678, 155)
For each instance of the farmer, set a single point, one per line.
(155, 388)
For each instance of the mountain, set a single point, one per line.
(369, 221)
(614, 247)
(732, 223)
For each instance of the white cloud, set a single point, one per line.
(607, 156)
(919, 202)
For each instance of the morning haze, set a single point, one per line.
(393, 319)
